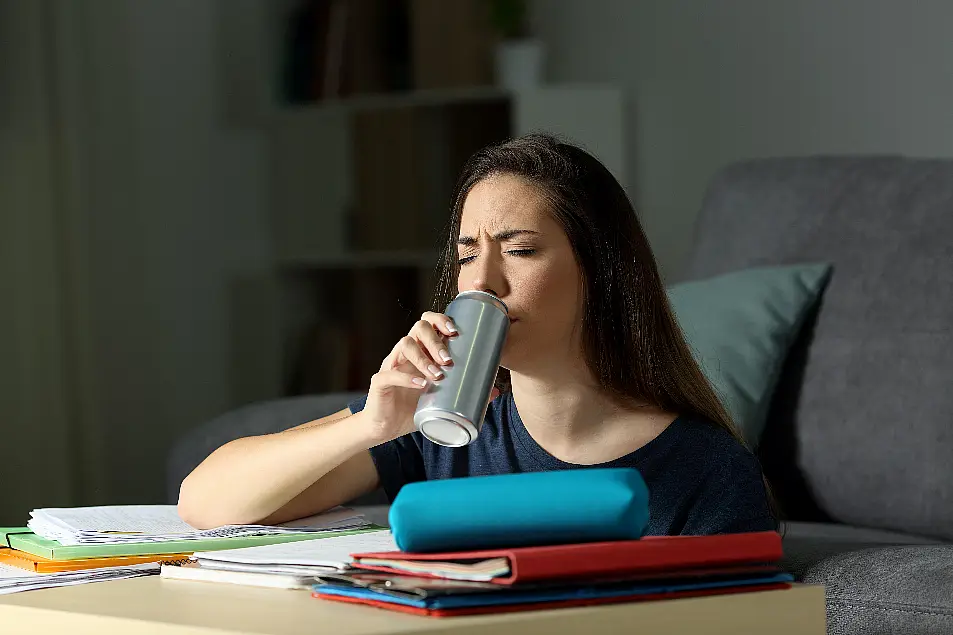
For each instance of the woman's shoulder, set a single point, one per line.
(713, 442)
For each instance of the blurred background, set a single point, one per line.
(209, 203)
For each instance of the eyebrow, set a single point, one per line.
(503, 235)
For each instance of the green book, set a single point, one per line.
(23, 539)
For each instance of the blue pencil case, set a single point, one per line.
(515, 510)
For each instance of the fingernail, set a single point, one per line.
(435, 371)
(444, 355)
(451, 327)
(419, 381)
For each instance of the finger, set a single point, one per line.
(493, 395)
(440, 322)
(387, 379)
(413, 351)
(397, 359)
(432, 342)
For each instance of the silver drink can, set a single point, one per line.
(451, 412)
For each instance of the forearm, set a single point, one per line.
(249, 479)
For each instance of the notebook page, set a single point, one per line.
(143, 519)
(14, 580)
(151, 523)
(330, 518)
(333, 552)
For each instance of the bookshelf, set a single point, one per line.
(358, 193)
(358, 185)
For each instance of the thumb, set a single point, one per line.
(494, 393)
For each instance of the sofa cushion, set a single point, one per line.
(888, 590)
(740, 326)
(871, 422)
(808, 544)
(264, 417)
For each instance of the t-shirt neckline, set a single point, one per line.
(547, 461)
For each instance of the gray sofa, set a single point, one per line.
(859, 444)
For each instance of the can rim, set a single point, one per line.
(483, 296)
(423, 429)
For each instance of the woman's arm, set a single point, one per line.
(278, 477)
(305, 470)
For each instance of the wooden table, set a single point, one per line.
(174, 607)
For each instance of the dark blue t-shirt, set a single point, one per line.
(700, 479)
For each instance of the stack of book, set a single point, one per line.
(294, 565)
(89, 544)
(551, 576)
(510, 542)
(369, 569)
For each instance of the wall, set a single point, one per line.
(34, 423)
(713, 82)
(166, 263)
(133, 209)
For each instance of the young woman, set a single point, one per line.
(594, 373)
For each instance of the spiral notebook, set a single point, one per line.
(36, 564)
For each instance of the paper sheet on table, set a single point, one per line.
(333, 553)
(14, 580)
(158, 523)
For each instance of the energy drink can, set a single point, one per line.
(451, 411)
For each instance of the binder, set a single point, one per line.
(593, 560)
(473, 604)
(420, 587)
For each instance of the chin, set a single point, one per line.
(512, 358)
(506, 358)
(523, 350)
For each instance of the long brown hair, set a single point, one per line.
(631, 340)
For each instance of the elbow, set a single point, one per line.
(186, 507)
(204, 510)
(192, 509)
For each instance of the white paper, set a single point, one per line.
(160, 523)
(269, 579)
(281, 569)
(322, 552)
(14, 580)
(141, 519)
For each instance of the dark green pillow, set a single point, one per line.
(740, 326)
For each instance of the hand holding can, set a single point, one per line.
(416, 361)
(451, 411)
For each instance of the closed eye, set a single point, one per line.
(521, 253)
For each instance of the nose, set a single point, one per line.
(487, 275)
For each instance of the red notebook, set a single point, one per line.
(602, 559)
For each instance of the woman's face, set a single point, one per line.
(511, 246)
